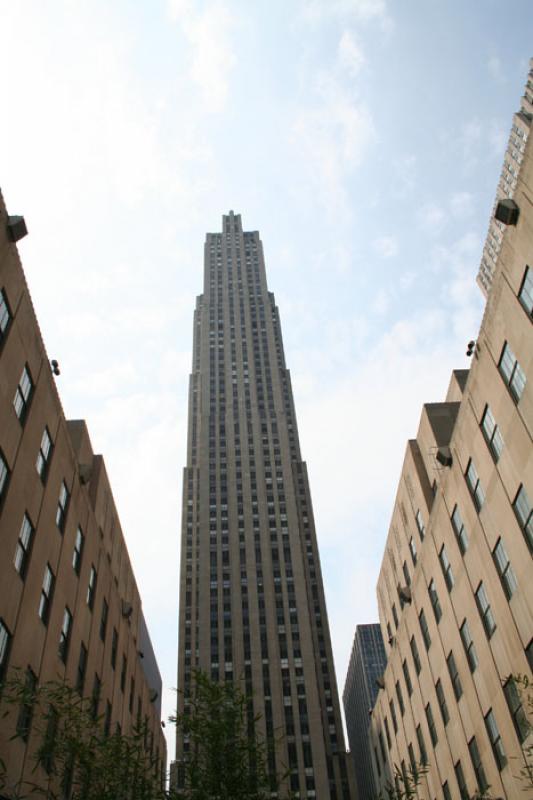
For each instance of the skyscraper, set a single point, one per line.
(252, 605)
(367, 663)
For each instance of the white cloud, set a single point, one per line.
(363, 11)
(350, 54)
(495, 68)
(386, 246)
(432, 218)
(462, 204)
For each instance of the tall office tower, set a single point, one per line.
(367, 664)
(455, 590)
(512, 165)
(252, 605)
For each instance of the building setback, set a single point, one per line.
(455, 591)
(69, 605)
(252, 604)
(367, 664)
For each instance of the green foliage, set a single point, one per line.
(404, 785)
(524, 685)
(74, 757)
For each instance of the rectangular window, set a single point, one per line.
(431, 725)
(416, 655)
(421, 746)
(463, 789)
(505, 570)
(495, 740)
(44, 455)
(454, 676)
(424, 629)
(442, 702)
(114, 647)
(512, 373)
(103, 619)
(468, 644)
(460, 531)
(5, 641)
(407, 678)
(95, 695)
(4, 476)
(47, 592)
(485, 610)
(82, 668)
(26, 707)
(64, 636)
(23, 549)
(514, 701)
(395, 616)
(123, 673)
(481, 778)
(91, 588)
(107, 718)
(399, 695)
(62, 506)
(420, 524)
(492, 434)
(525, 295)
(23, 393)
(446, 791)
(524, 514)
(474, 485)
(78, 551)
(406, 574)
(412, 548)
(5, 315)
(435, 602)
(446, 568)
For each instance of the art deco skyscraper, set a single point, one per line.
(252, 605)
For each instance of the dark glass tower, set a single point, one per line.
(252, 603)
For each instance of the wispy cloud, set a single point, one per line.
(386, 246)
(350, 54)
(432, 218)
(315, 11)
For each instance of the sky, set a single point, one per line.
(362, 138)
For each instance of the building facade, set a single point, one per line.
(70, 609)
(512, 165)
(455, 590)
(366, 667)
(252, 604)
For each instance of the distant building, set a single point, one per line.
(366, 667)
(455, 591)
(69, 605)
(507, 184)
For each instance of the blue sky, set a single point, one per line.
(363, 138)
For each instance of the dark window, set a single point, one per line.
(47, 592)
(446, 791)
(103, 619)
(407, 678)
(474, 485)
(485, 610)
(62, 506)
(23, 549)
(512, 373)
(524, 514)
(4, 476)
(406, 574)
(424, 629)
(399, 695)
(114, 647)
(514, 701)
(107, 718)
(26, 707)
(78, 551)
(44, 455)
(416, 655)
(431, 725)
(525, 295)
(460, 531)
(495, 740)
(395, 616)
(468, 645)
(421, 745)
(23, 394)
(446, 568)
(82, 668)
(123, 673)
(5, 641)
(454, 676)
(412, 548)
(463, 789)
(420, 524)
(435, 602)
(64, 636)
(91, 588)
(442, 702)
(95, 695)
(492, 434)
(505, 570)
(5, 315)
(481, 778)
(393, 716)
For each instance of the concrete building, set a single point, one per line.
(252, 604)
(69, 605)
(512, 165)
(367, 664)
(455, 590)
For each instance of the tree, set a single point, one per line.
(227, 758)
(404, 785)
(74, 755)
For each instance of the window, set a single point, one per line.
(529, 654)
(446, 568)
(416, 655)
(91, 588)
(442, 702)
(62, 506)
(524, 514)
(103, 619)
(463, 789)
(446, 791)
(474, 484)
(420, 524)
(514, 701)
(5, 315)
(495, 740)
(47, 592)
(23, 549)
(4, 476)
(525, 295)
(406, 575)
(412, 548)
(468, 645)
(505, 570)
(454, 676)
(82, 668)
(395, 616)
(123, 673)
(460, 531)
(485, 611)
(421, 745)
(399, 695)
(393, 716)
(95, 695)
(407, 678)
(481, 778)
(23, 394)
(114, 647)
(424, 629)
(107, 718)
(64, 636)
(44, 455)
(431, 725)
(5, 641)
(435, 602)
(26, 707)
(512, 373)
(78, 551)
(492, 434)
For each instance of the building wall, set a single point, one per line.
(501, 649)
(27, 640)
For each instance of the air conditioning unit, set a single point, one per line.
(127, 609)
(404, 593)
(85, 472)
(507, 212)
(444, 456)
(380, 683)
(16, 228)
